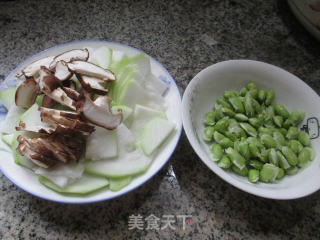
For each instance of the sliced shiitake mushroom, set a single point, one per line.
(91, 70)
(27, 93)
(92, 84)
(33, 68)
(52, 87)
(62, 71)
(99, 112)
(68, 56)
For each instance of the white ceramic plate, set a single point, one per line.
(211, 82)
(28, 181)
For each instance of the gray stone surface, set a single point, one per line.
(185, 36)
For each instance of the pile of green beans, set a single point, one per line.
(254, 138)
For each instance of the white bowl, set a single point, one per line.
(28, 181)
(210, 83)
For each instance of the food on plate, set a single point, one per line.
(86, 119)
(254, 138)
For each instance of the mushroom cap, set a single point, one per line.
(62, 71)
(100, 114)
(92, 84)
(34, 67)
(68, 56)
(91, 70)
(52, 87)
(27, 93)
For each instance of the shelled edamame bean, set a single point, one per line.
(254, 138)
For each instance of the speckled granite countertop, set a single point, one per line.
(185, 36)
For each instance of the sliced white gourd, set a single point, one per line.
(117, 184)
(130, 71)
(7, 139)
(126, 140)
(126, 111)
(156, 84)
(102, 57)
(9, 124)
(154, 133)
(117, 56)
(7, 97)
(62, 174)
(141, 116)
(4, 146)
(132, 163)
(101, 144)
(131, 93)
(83, 186)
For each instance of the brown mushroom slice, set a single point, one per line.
(62, 71)
(92, 84)
(37, 154)
(68, 56)
(92, 70)
(65, 122)
(38, 129)
(33, 68)
(48, 102)
(27, 93)
(100, 114)
(71, 93)
(67, 114)
(51, 86)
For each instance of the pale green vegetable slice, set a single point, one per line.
(154, 133)
(118, 184)
(83, 186)
(101, 144)
(8, 138)
(62, 174)
(7, 97)
(141, 116)
(130, 164)
(9, 124)
(102, 57)
(126, 140)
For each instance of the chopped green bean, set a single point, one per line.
(296, 117)
(295, 146)
(236, 158)
(253, 175)
(237, 104)
(293, 133)
(269, 97)
(208, 133)
(280, 174)
(268, 173)
(209, 118)
(249, 129)
(278, 120)
(281, 111)
(304, 138)
(289, 155)
(216, 152)
(242, 172)
(256, 164)
(262, 95)
(224, 162)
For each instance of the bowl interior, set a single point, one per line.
(28, 181)
(210, 83)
